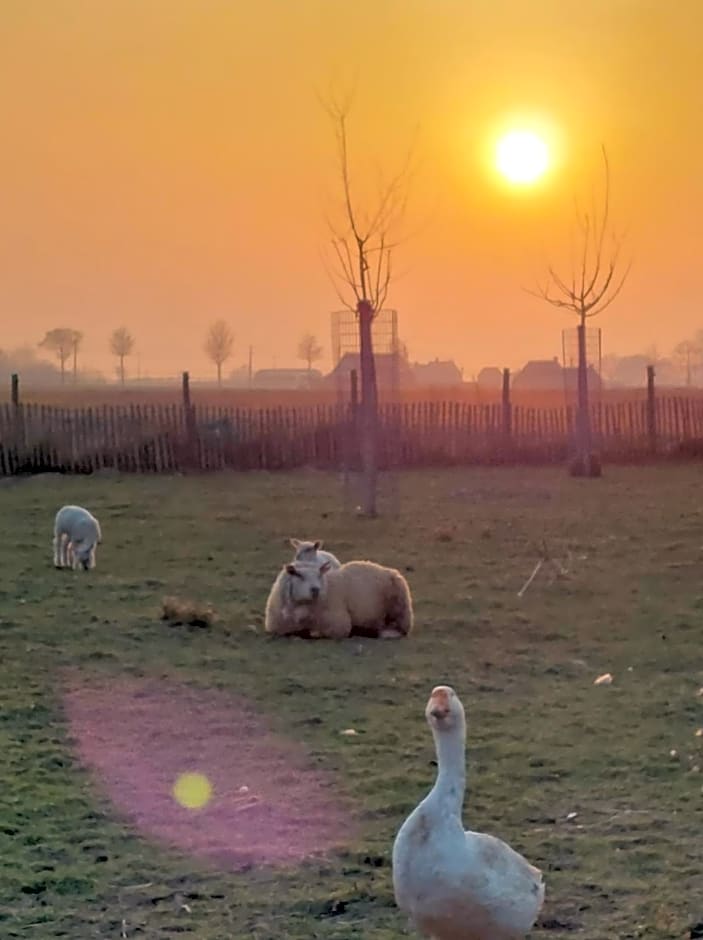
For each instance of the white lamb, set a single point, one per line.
(311, 552)
(76, 537)
(320, 601)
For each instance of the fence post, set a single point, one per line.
(189, 415)
(507, 409)
(651, 411)
(18, 428)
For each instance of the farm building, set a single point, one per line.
(391, 370)
(490, 377)
(549, 375)
(437, 372)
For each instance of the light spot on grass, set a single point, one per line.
(127, 734)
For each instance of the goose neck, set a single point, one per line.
(451, 769)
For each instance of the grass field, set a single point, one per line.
(88, 667)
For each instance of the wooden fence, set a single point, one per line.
(167, 438)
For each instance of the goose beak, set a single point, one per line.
(439, 712)
(439, 705)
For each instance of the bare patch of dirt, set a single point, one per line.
(267, 805)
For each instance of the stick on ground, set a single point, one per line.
(530, 579)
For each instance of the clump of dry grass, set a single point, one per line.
(445, 533)
(178, 611)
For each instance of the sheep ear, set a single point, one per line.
(325, 568)
(317, 544)
(294, 542)
(291, 569)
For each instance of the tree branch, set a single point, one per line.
(590, 298)
(333, 280)
(364, 249)
(614, 294)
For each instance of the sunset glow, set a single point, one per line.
(171, 165)
(522, 157)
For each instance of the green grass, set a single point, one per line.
(544, 742)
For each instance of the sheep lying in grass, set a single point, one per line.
(311, 552)
(320, 601)
(76, 537)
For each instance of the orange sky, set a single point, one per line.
(166, 162)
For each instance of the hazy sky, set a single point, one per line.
(167, 162)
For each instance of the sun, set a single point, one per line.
(522, 157)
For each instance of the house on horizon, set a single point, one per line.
(549, 375)
(437, 372)
(490, 377)
(392, 371)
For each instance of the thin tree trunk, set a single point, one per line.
(122, 369)
(219, 373)
(63, 370)
(369, 410)
(75, 364)
(585, 462)
(583, 432)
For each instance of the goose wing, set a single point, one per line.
(511, 888)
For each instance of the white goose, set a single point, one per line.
(458, 885)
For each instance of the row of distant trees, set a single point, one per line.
(683, 366)
(219, 346)
(64, 344)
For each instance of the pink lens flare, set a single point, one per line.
(268, 806)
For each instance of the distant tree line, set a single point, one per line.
(63, 344)
(682, 367)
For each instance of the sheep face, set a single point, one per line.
(82, 554)
(305, 551)
(307, 581)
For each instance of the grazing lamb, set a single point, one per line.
(310, 552)
(76, 537)
(321, 601)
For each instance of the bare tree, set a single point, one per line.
(218, 345)
(362, 243)
(76, 341)
(595, 280)
(63, 342)
(309, 350)
(688, 355)
(121, 345)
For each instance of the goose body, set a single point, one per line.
(458, 885)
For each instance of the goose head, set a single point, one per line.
(444, 711)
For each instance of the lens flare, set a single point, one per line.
(204, 773)
(192, 790)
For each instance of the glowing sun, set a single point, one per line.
(522, 157)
